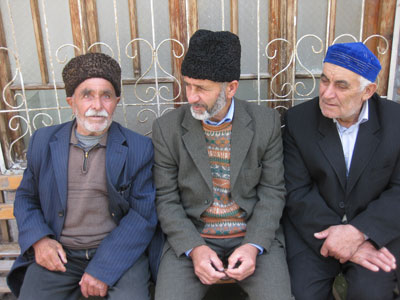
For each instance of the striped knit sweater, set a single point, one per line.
(224, 218)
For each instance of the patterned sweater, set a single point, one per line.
(224, 218)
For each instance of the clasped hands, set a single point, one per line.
(50, 255)
(209, 268)
(347, 243)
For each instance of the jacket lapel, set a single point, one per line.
(116, 153)
(331, 147)
(240, 140)
(366, 145)
(195, 143)
(59, 148)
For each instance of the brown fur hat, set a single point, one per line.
(91, 65)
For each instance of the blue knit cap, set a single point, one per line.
(355, 57)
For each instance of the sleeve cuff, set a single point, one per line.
(260, 249)
(187, 253)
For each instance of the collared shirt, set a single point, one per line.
(348, 136)
(228, 117)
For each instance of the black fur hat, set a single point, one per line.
(213, 55)
(91, 65)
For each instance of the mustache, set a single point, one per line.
(200, 105)
(94, 113)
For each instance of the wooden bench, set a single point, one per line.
(8, 250)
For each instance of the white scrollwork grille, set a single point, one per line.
(149, 94)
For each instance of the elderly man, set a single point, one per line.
(342, 171)
(218, 172)
(85, 207)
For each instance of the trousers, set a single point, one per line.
(40, 283)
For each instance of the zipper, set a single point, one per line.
(85, 161)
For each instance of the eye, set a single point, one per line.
(324, 79)
(342, 86)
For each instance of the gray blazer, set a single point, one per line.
(183, 178)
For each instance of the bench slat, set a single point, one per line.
(9, 250)
(6, 211)
(3, 285)
(9, 182)
(5, 265)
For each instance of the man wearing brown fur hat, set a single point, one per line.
(219, 179)
(85, 207)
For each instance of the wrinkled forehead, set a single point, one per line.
(334, 72)
(201, 82)
(96, 84)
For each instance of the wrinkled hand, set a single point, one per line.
(372, 259)
(91, 286)
(207, 265)
(245, 255)
(341, 241)
(50, 254)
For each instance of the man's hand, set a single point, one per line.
(207, 265)
(372, 259)
(50, 254)
(91, 286)
(246, 256)
(341, 241)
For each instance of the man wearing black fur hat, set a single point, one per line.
(219, 180)
(85, 207)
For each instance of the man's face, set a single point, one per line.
(93, 104)
(207, 98)
(339, 94)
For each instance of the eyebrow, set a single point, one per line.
(337, 81)
(342, 82)
(86, 91)
(196, 85)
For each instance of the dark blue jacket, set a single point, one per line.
(41, 201)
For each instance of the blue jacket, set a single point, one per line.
(41, 201)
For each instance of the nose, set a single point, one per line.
(329, 91)
(192, 96)
(96, 103)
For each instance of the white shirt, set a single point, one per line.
(348, 136)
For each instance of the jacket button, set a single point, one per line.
(113, 214)
(341, 204)
(61, 213)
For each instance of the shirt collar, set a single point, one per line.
(362, 118)
(228, 117)
(74, 140)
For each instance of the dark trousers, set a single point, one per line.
(312, 277)
(40, 283)
(176, 279)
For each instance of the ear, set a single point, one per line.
(70, 101)
(118, 98)
(369, 91)
(231, 88)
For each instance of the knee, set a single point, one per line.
(304, 293)
(359, 289)
(364, 284)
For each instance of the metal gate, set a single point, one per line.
(283, 44)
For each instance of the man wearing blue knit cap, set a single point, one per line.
(342, 172)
